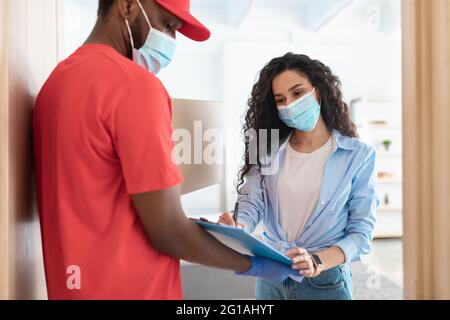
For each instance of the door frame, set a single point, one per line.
(426, 147)
(4, 155)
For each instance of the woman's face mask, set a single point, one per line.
(302, 114)
(158, 50)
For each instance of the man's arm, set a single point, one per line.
(170, 232)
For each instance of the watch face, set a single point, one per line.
(317, 260)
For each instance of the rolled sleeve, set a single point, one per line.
(363, 203)
(251, 201)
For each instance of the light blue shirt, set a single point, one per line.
(345, 214)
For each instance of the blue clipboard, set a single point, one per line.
(242, 242)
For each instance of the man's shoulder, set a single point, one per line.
(130, 74)
(101, 64)
(102, 74)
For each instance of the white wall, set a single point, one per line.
(196, 76)
(77, 19)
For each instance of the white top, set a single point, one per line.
(299, 187)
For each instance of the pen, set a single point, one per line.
(236, 212)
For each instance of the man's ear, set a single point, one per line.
(128, 9)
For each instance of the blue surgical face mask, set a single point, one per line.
(158, 50)
(302, 114)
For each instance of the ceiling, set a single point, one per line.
(312, 15)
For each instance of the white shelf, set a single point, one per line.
(390, 209)
(389, 181)
(389, 155)
(383, 127)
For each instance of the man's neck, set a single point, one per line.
(107, 32)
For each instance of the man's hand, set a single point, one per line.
(302, 261)
(227, 219)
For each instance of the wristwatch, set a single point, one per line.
(316, 261)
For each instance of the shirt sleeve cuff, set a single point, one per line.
(249, 227)
(350, 248)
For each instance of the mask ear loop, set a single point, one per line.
(128, 24)
(145, 14)
(129, 32)
(320, 101)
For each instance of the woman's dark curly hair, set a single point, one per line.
(263, 114)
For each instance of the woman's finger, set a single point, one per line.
(296, 252)
(306, 263)
(223, 222)
(301, 258)
(227, 219)
(302, 266)
(307, 273)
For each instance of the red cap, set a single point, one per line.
(192, 28)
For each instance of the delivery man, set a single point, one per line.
(109, 194)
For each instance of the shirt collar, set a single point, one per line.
(343, 142)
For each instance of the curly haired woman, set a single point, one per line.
(319, 206)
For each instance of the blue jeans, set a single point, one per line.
(333, 284)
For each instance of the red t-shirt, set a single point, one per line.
(102, 130)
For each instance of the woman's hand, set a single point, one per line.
(302, 261)
(227, 219)
(269, 270)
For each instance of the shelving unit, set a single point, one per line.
(381, 120)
